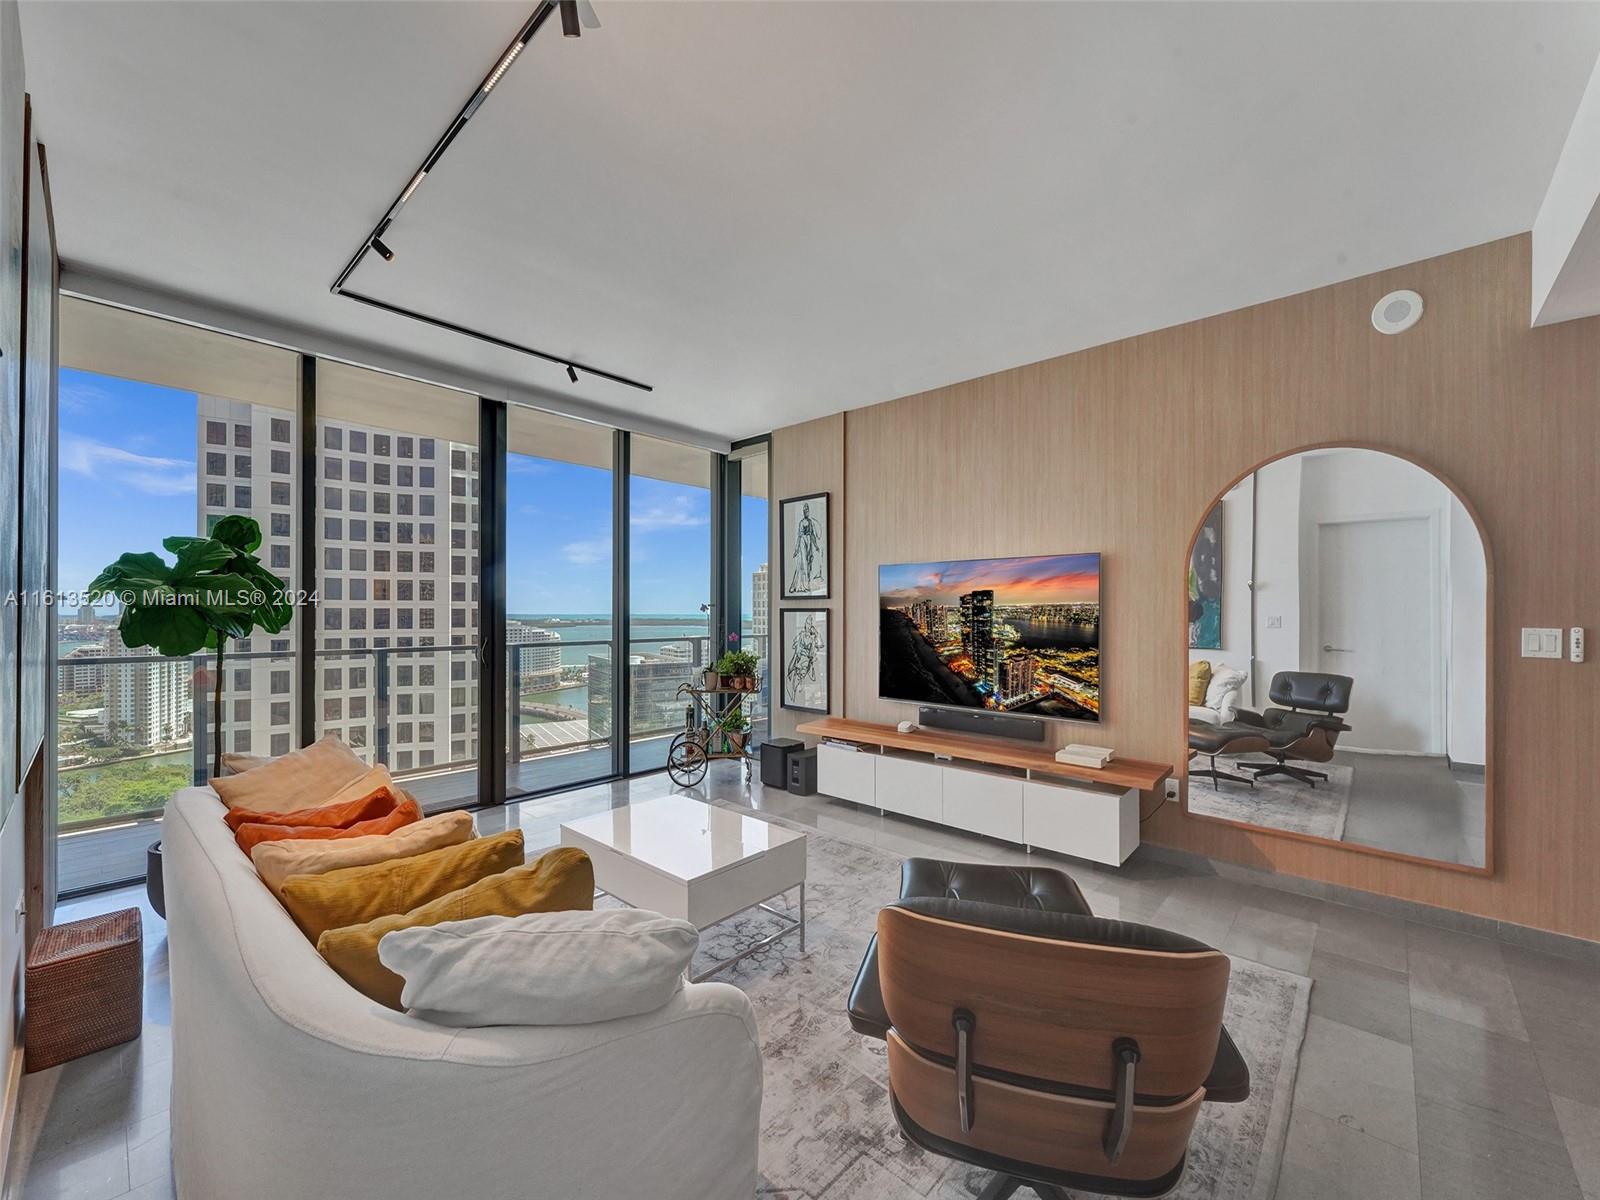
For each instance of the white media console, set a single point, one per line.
(1002, 790)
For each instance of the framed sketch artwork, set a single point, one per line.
(803, 633)
(803, 547)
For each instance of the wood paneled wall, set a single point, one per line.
(805, 459)
(1122, 447)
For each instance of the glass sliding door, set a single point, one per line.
(397, 577)
(560, 581)
(164, 429)
(670, 614)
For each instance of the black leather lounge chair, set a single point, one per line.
(1305, 730)
(1032, 1038)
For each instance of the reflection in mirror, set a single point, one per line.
(1338, 639)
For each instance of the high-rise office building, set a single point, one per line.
(759, 599)
(396, 583)
(977, 635)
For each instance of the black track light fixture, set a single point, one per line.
(575, 16)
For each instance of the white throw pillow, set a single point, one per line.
(1196, 713)
(1222, 693)
(559, 968)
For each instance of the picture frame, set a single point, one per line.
(805, 547)
(804, 680)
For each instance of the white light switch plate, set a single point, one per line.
(1274, 622)
(1541, 643)
(1575, 643)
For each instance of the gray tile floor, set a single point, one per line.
(1436, 1064)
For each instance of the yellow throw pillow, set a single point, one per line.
(355, 895)
(303, 779)
(277, 861)
(558, 881)
(1199, 680)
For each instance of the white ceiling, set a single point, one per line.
(773, 211)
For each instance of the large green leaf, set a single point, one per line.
(198, 555)
(173, 629)
(131, 573)
(242, 533)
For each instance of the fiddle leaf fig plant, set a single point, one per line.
(215, 589)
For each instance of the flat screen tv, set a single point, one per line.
(1009, 635)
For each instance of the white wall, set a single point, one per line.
(1346, 485)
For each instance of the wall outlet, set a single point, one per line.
(1274, 622)
(1171, 789)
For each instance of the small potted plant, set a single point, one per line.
(735, 728)
(737, 669)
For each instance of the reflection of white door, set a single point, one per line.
(1378, 604)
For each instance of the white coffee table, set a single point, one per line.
(688, 859)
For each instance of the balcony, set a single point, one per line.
(135, 728)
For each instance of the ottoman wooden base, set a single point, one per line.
(85, 988)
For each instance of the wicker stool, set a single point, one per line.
(85, 988)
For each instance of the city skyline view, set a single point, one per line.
(1041, 579)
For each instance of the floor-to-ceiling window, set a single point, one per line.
(753, 557)
(163, 430)
(397, 576)
(560, 579)
(367, 488)
(671, 617)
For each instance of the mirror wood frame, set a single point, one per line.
(1490, 736)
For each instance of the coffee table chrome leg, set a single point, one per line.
(793, 924)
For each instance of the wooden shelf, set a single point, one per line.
(1119, 773)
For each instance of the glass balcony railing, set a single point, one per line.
(136, 728)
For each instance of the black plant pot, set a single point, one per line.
(154, 885)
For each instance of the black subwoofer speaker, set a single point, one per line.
(803, 772)
(775, 754)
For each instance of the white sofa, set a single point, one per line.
(288, 1084)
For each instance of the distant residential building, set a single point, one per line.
(1017, 676)
(82, 678)
(148, 704)
(977, 634)
(539, 660)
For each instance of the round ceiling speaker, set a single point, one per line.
(1397, 312)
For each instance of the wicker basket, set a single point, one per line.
(85, 988)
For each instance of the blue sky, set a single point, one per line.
(128, 480)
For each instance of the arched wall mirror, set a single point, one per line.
(1339, 661)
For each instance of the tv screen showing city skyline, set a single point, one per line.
(1009, 635)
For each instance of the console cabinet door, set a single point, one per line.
(983, 802)
(1094, 823)
(848, 774)
(913, 787)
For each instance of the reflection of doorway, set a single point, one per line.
(1378, 621)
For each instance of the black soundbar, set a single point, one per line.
(1022, 729)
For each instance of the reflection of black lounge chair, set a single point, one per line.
(1307, 729)
(1232, 739)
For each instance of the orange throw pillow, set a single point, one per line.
(405, 813)
(379, 802)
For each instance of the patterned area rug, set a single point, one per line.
(1278, 802)
(826, 1129)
